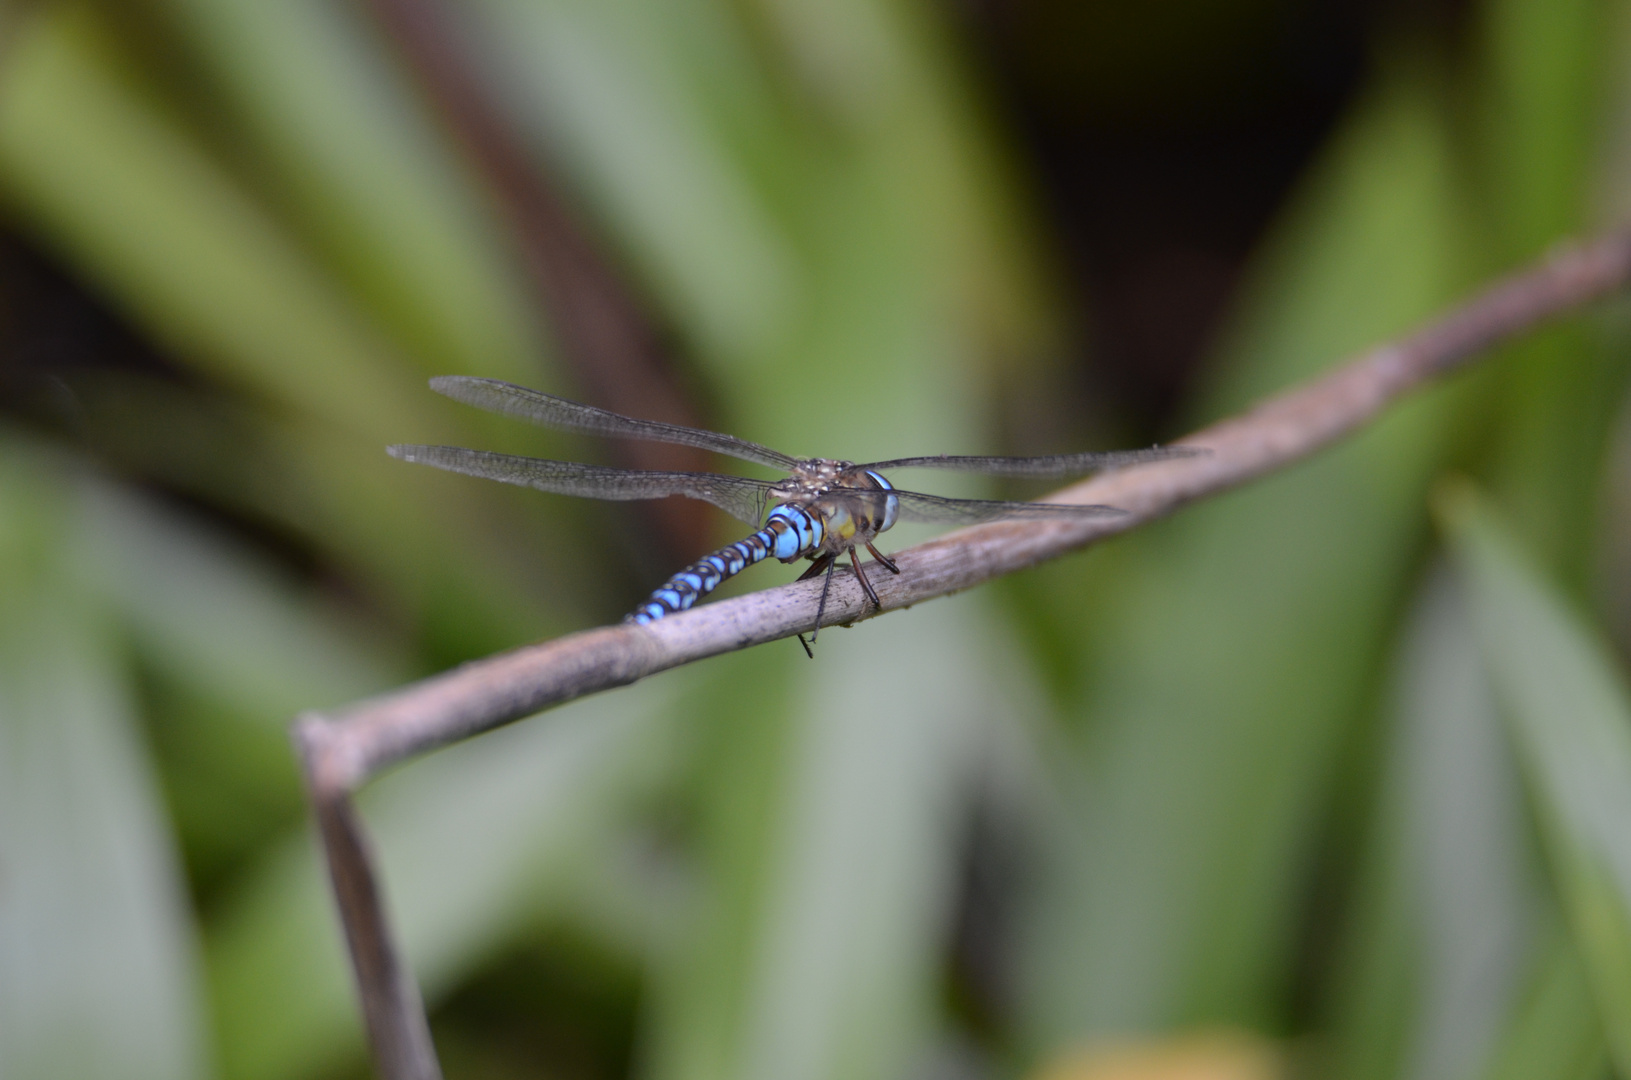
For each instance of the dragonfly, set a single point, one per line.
(822, 510)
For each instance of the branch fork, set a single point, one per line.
(341, 751)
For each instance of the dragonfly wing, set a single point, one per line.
(738, 496)
(1048, 465)
(916, 506)
(551, 411)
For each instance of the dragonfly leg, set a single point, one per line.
(887, 563)
(821, 609)
(816, 566)
(866, 586)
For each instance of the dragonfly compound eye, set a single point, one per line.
(891, 506)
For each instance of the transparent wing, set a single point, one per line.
(551, 411)
(736, 495)
(916, 506)
(1049, 465)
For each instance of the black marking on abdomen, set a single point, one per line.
(679, 593)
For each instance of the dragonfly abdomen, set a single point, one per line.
(789, 532)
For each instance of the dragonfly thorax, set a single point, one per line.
(815, 477)
(846, 506)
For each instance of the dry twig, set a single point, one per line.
(340, 752)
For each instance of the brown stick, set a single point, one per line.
(398, 1029)
(341, 752)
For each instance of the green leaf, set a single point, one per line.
(1468, 842)
(604, 88)
(231, 649)
(1571, 721)
(97, 955)
(338, 129)
(128, 194)
(1459, 844)
(226, 624)
(1542, 69)
(1554, 1031)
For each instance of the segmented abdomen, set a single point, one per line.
(789, 532)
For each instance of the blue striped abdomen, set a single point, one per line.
(789, 532)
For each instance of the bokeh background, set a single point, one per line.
(1327, 777)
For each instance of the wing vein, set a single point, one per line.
(554, 412)
(739, 496)
(935, 509)
(1047, 465)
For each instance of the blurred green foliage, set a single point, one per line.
(1299, 762)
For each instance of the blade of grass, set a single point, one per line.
(602, 90)
(128, 195)
(97, 955)
(331, 124)
(1475, 901)
(248, 637)
(1571, 721)
(1554, 1031)
(1542, 68)
(229, 650)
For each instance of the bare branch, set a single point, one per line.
(341, 752)
(398, 1029)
